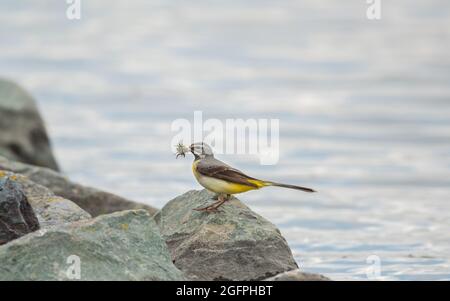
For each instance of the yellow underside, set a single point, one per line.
(221, 186)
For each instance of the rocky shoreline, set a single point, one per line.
(45, 219)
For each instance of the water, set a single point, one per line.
(364, 109)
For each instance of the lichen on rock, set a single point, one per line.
(17, 217)
(50, 209)
(297, 275)
(233, 244)
(92, 200)
(23, 135)
(105, 249)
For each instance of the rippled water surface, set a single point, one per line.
(364, 109)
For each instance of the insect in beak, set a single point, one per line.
(181, 150)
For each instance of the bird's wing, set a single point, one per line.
(214, 168)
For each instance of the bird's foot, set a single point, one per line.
(215, 206)
(209, 209)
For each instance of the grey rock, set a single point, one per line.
(92, 200)
(17, 217)
(50, 209)
(297, 275)
(234, 244)
(121, 246)
(23, 134)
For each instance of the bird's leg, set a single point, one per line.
(213, 207)
(222, 200)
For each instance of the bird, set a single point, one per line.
(222, 179)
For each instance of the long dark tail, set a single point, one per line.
(289, 186)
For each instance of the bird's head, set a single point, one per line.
(201, 150)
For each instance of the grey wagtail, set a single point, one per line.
(221, 178)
